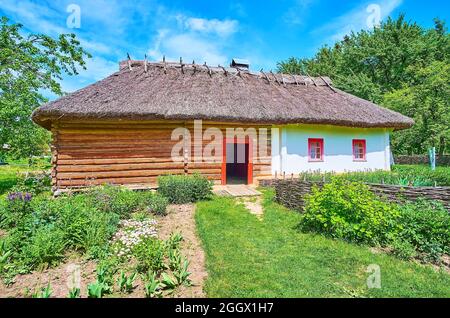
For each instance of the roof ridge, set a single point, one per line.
(277, 78)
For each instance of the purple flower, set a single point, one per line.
(26, 197)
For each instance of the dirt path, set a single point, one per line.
(180, 218)
(253, 205)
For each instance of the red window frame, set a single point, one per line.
(311, 141)
(354, 144)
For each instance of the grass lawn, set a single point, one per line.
(8, 176)
(9, 173)
(246, 257)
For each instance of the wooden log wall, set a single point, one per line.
(130, 153)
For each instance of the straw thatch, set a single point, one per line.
(176, 91)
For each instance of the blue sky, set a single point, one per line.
(263, 32)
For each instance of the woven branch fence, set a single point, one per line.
(422, 159)
(290, 192)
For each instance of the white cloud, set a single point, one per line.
(356, 19)
(222, 28)
(110, 28)
(202, 40)
(192, 47)
(97, 68)
(295, 14)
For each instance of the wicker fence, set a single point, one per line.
(290, 192)
(422, 159)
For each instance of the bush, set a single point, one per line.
(184, 189)
(149, 254)
(425, 227)
(41, 228)
(349, 210)
(116, 199)
(16, 209)
(45, 247)
(34, 182)
(158, 204)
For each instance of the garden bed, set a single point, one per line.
(127, 243)
(179, 219)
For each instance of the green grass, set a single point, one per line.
(246, 257)
(10, 173)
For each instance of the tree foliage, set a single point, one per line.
(31, 64)
(399, 65)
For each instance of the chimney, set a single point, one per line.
(240, 64)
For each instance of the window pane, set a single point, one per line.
(359, 150)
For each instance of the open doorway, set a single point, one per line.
(237, 165)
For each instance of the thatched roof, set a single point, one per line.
(176, 91)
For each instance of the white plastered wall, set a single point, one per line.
(290, 148)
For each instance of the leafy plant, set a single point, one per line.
(181, 189)
(44, 248)
(97, 289)
(158, 204)
(349, 210)
(5, 255)
(45, 292)
(181, 273)
(74, 293)
(168, 282)
(126, 282)
(174, 259)
(425, 231)
(18, 208)
(149, 254)
(152, 286)
(174, 241)
(35, 182)
(103, 284)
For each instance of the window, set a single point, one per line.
(315, 149)
(359, 150)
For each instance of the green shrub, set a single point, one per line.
(17, 209)
(85, 227)
(45, 247)
(116, 199)
(349, 210)
(149, 254)
(35, 182)
(425, 227)
(158, 204)
(184, 189)
(152, 286)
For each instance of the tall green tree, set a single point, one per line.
(399, 65)
(31, 64)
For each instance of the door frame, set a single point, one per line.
(236, 140)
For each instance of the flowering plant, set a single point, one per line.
(131, 233)
(18, 206)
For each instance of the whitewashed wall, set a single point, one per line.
(290, 148)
